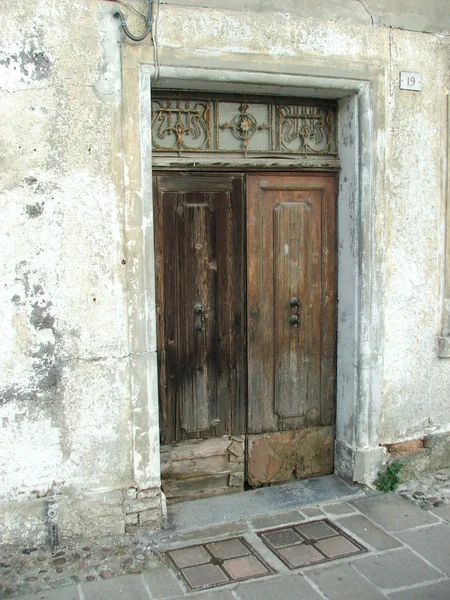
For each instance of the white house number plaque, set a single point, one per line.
(410, 81)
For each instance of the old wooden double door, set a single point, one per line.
(246, 308)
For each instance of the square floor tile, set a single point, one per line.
(300, 555)
(245, 567)
(285, 537)
(203, 576)
(215, 563)
(228, 548)
(309, 543)
(187, 557)
(316, 530)
(336, 546)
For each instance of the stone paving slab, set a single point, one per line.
(162, 583)
(342, 582)
(398, 573)
(216, 595)
(436, 591)
(396, 569)
(257, 503)
(339, 508)
(442, 511)
(287, 518)
(313, 511)
(169, 537)
(393, 513)
(285, 587)
(69, 592)
(433, 543)
(115, 589)
(368, 533)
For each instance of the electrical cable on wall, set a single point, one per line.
(148, 20)
(151, 21)
(155, 45)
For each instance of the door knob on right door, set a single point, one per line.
(294, 320)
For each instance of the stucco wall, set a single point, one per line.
(416, 390)
(64, 363)
(65, 385)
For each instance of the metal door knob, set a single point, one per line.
(293, 320)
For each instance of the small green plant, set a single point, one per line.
(389, 480)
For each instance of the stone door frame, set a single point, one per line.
(360, 240)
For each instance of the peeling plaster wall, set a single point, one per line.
(66, 397)
(416, 15)
(64, 364)
(416, 395)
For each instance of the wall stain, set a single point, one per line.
(34, 210)
(32, 63)
(46, 367)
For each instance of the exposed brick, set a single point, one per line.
(130, 493)
(113, 498)
(149, 493)
(406, 448)
(138, 528)
(134, 506)
(149, 515)
(132, 519)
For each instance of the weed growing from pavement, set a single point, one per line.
(389, 480)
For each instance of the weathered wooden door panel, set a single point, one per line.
(199, 244)
(296, 310)
(204, 368)
(291, 248)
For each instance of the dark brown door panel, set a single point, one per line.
(200, 270)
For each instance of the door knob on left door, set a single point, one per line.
(199, 325)
(294, 320)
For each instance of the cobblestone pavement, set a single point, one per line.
(428, 491)
(29, 569)
(407, 558)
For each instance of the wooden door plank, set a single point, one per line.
(329, 304)
(203, 448)
(285, 455)
(200, 468)
(291, 370)
(195, 373)
(297, 278)
(259, 311)
(199, 247)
